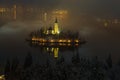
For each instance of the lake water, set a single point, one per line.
(101, 42)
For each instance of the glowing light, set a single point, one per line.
(52, 31)
(52, 40)
(105, 24)
(44, 40)
(60, 40)
(52, 49)
(58, 32)
(34, 38)
(64, 40)
(76, 44)
(2, 10)
(69, 44)
(47, 49)
(56, 50)
(60, 12)
(60, 44)
(69, 41)
(56, 28)
(45, 17)
(2, 77)
(76, 41)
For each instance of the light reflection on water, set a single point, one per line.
(54, 48)
(100, 42)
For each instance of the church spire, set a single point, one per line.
(56, 21)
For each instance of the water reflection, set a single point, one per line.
(53, 49)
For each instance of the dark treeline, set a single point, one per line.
(80, 68)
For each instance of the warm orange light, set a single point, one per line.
(2, 77)
(60, 40)
(2, 10)
(52, 49)
(60, 44)
(76, 44)
(64, 41)
(52, 40)
(76, 41)
(47, 49)
(60, 12)
(69, 41)
(34, 39)
(105, 24)
(69, 44)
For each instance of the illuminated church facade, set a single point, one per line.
(53, 30)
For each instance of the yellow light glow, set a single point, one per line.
(52, 49)
(52, 40)
(47, 49)
(56, 50)
(60, 12)
(64, 40)
(69, 41)
(58, 32)
(33, 38)
(52, 31)
(105, 24)
(76, 44)
(2, 10)
(69, 44)
(56, 28)
(2, 77)
(60, 40)
(44, 40)
(76, 41)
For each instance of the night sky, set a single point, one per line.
(95, 7)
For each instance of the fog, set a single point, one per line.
(101, 41)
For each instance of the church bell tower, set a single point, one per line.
(56, 27)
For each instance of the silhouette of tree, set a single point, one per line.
(119, 63)
(60, 61)
(41, 32)
(76, 35)
(76, 58)
(112, 76)
(7, 69)
(96, 70)
(15, 64)
(28, 61)
(47, 63)
(109, 61)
